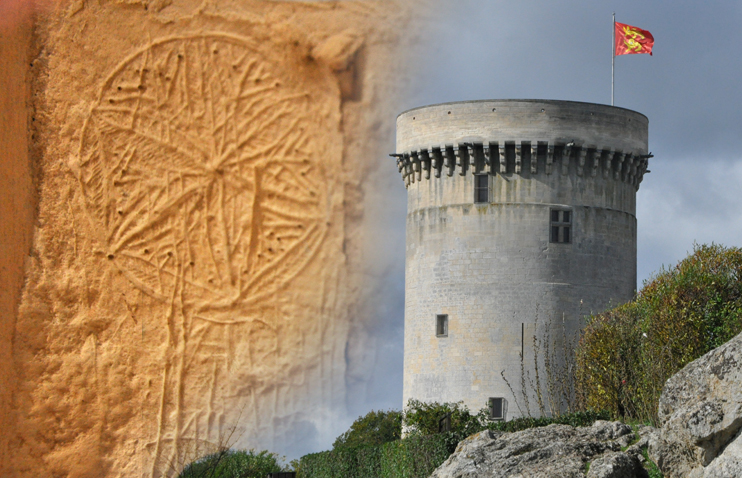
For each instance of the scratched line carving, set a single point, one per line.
(198, 167)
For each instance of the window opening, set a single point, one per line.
(481, 188)
(561, 226)
(497, 408)
(441, 325)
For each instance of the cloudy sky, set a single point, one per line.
(496, 49)
(689, 89)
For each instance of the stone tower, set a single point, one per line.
(519, 212)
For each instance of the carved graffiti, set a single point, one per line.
(196, 163)
(198, 166)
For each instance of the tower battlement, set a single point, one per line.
(504, 136)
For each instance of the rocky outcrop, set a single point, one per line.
(700, 412)
(556, 450)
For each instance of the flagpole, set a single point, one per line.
(613, 56)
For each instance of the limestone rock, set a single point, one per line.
(615, 465)
(701, 415)
(556, 450)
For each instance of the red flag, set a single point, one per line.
(631, 40)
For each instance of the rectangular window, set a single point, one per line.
(481, 188)
(561, 226)
(497, 408)
(441, 325)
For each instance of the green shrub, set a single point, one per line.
(233, 464)
(625, 355)
(375, 428)
(423, 418)
(417, 456)
(575, 419)
(413, 457)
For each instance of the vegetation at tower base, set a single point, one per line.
(626, 355)
(413, 457)
(424, 449)
(233, 464)
(375, 428)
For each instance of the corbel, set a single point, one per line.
(549, 158)
(425, 161)
(449, 159)
(617, 172)
(608, 162)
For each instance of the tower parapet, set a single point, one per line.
(560, 135)
(519, 212)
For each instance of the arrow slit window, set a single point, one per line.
(441, 325)
(561, 226)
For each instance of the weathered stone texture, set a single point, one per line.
(700, 411)
(556, 450)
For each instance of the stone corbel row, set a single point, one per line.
(491, 157)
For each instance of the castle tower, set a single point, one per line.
(518, 212)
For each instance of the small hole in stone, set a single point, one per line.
(449, 112)
(110, 257)
(146, 251)
(494, 109)
(413, 118)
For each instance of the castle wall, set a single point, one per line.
(491, 266)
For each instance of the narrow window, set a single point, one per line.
(497, 408)
(481, 188)
(561, 226)
(441, 325)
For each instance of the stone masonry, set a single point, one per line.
(491, 260)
